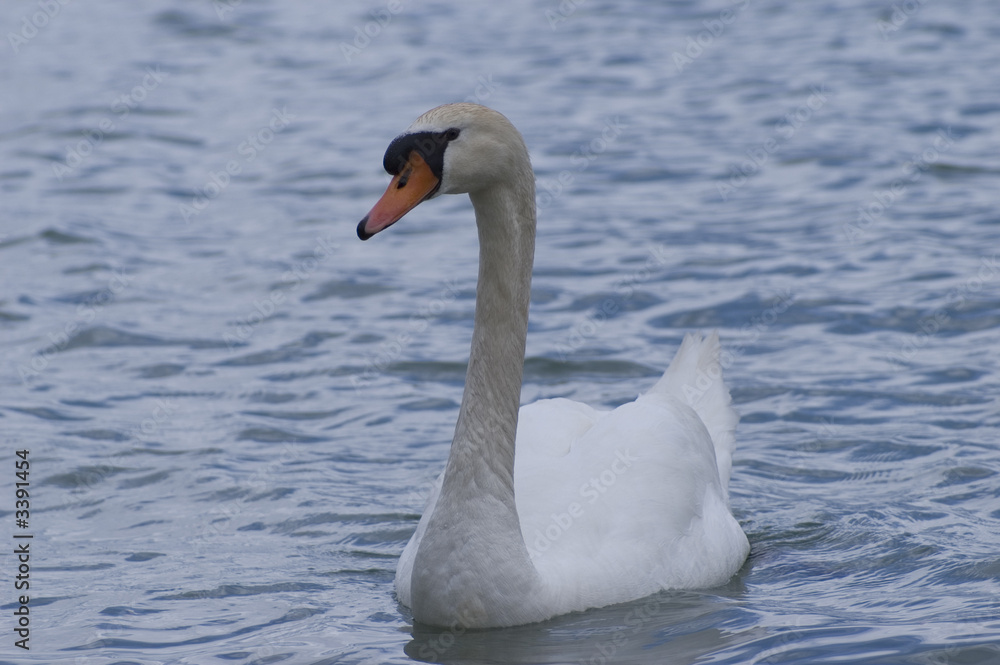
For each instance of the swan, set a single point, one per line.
(596, 507)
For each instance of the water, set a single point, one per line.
(233, 407)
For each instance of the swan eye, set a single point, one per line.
(451, 134)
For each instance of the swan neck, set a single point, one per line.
(474, 532)
(487, 421)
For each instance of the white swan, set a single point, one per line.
(597, 507)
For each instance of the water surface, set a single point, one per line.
(234, 408)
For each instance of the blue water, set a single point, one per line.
(233, 407)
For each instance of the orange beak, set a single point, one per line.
(411, 185)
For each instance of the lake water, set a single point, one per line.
(234, 408)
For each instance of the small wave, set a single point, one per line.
(46, 413)
(106, 336)
(231, 590)
(84, 476)
(275, 435)
(58, 237)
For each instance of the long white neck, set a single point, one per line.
(472, 564)
(487, 421)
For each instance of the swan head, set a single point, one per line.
(452, 149)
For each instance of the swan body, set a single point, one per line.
(596, 507)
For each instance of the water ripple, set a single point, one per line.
(235, 409)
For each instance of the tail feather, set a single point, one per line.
(695, 377)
